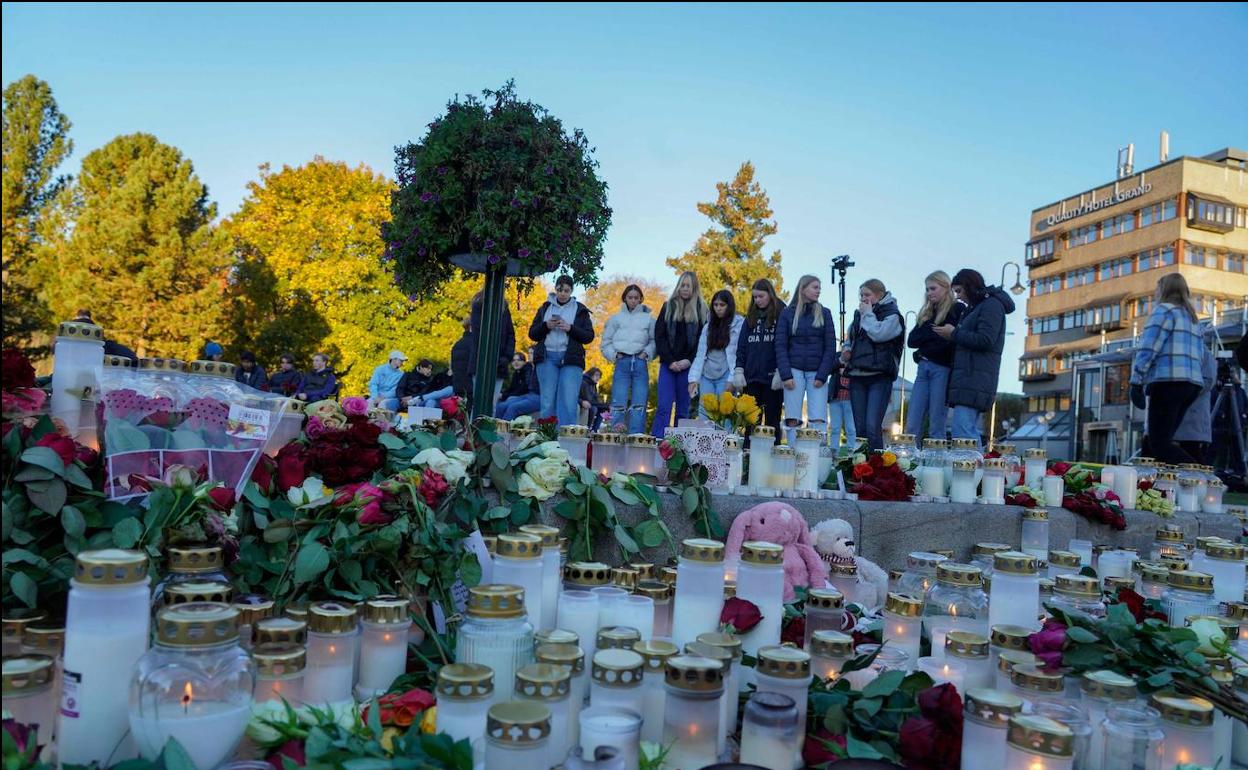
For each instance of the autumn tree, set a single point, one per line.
(132, 240)
(36, 142)
(730, 253)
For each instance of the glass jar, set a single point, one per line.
(1038, 743)
(383, 644)
(994, 481)
(783, 468)
(844, 578)
(785, 670)
(585, 576)
(691, 722)
(551, 570)
(495, 633)
(251, 610)
(107, 626)
(903, 623)
(639, 453)
(958, 597)
(1099, 692)
(1063, 563)
(770, 732)
(971, 650)
(660, 595)
(616, 679)
(1189, 498)
(1035, 538)
(825, 610)
(551, 686)
(1034, 684)
(464, 693)
(1225, 562)
(28, 695)
(920, 574)
(1146, 468)
(827, 461)
(967, 449)
(762, 440)
(47, 638)
(1005, 638)
(1169, 541)
(572, 658)
(1078, 594)
(1129, 737)
(279, 631)
(887, 658)
(1188, 726)
(575, 441)
(1013, 465)
(518, 562)
(986, 715)
(963, 486)
(829, 650)
(1015, 597)
(1152, 580)
(806, 460)
(195, 685)
(279, 672)
(1073, 718)
(760, 580)
(15, 621)
(333, 629)
(191, 564)
(615, 729)
(982, 553)
(1196, 472)
(607, 456)
(1188, 593)
(699, 590)
(1007, 661)
(934, 472)
(1035, 465)
(906, 451)
(736, 463)
(1212, 502)
(517, 734)
(1167, 485)
(654, 655)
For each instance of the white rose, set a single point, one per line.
(523, 421)
(452, 465)
(310, 494)
(527, 487)
(528, 441)
(1212, 637)
(620, 479)
(258, 730)
(550, 472)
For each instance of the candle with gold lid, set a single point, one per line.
(760, 580)
(550, 685)
(495, 633)
(615, 679)
(584, 575)
(1015, 596)
(660, 595)
(1188, 593)
(278, 631)
(903, 623)
(956, 601)
(993, 486)
(699, 590)
(200, 566)
(1188, 725)
(252, 608)
(1034, 684)
(691, 726)
(15, 621)
(986, 715)
(1007, 661)
(1078, 593)
(44, 637)
(654, 655)
(825, 610)
(517, 734)
(1038, 743)
(518, 561)
(769, 731)
(786, 670)
(279, 672)
(1225, 562)
(1035, 537)
(617, 638)
(332, 630)
(727, 649)
(551, 570)
(28, 695)
(383, 644)
(296, 611)
(555, 636)
(575, 441)
(1099, 692)
(464, 693)
(971, 650)
(829, 650)
(1035, 463)
(197, 591)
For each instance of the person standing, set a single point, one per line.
(1195, 432)
(561, 328)
(676, 332)
(977, 342)
(520, 395)
(250, 373)
(805, 357)
(875, 342)
(320, 383)
(628, 341)
(717, 349)
(934, 355)
(841, 414)
(383, 386)
(506, 342)
(1167, 367)
(755, 372)
(287, 380)
(462, 353)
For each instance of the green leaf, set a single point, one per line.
(127, 532)
(650, 533)
(253, 495)
(24, 588)
(174, 757)
(624, 539)
(868, 707)
(391, 442)
(884, 684)
(520, 512)
(690, 499)
(470, 570)
(279, 530)
(625, 495)
(33, 473)
(44, 457)
(312, 560)
(75, 476)
(499, 455)
(447, 441)
(47, 496)
(1158, 681)
(351, 571)
(73, 522)
(860, 750)
(1081, 635)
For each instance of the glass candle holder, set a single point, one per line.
(1075, 719)
(963, 488)
(106, 632)
(691, 717)
(920, 573)
(783, 470)
(330, 674)
(982, 553)
(654, 655)
(16, 619)
(585, 576)
(762, 441)
(934, 474)
(1188, 500)
(551, 569)
(660, 596)
(1151, 582)
(1213, 497)
(1035, 538)
(829, 650)
(278, 631)
(251, 609)
(806, 459)
(1038, 743)
(825, 611)
(1063, 563)
(967, 449)
(1015, 596)
(728, 701)
(1005, 637)
(993, 485)
(1188, 593)
(1007, 661)
(903, 623)
(1035, 464)
(1054, 489)
(28, 695)
(1225, 562)
(736, 462)
(986, 716)
(517, 734)
(760, 579)
(554, 636)
(1188, 726)
(194, 685)
(1035, 685)
(1013, 464)
(578, 613)
(971, 650)
(617, 638)
(496, 634)
(575, 441)
(608, 453)
(770, 732)
(886, 659)
(550, 685)
(518, 562)
(616, 679)
(844, 579)
(944, 670)
(279, 672)
(1099, 692)
(464, 693)
(699, 590)
(639, 453)
(616, 728)
(957, 596)
(383, 644)
(1078, 594)
(1129, 737)
(637, 612)
(191, 564)
(786, 670)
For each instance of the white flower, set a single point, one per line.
(549, 472)
(257, 729)
(619, 479)
(452, 465)
(530, 440)
(553, 450)
(527, 487)
(523, 421)
(310, 494)
(1212, 637)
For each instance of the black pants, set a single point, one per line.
(1167, 403)
(769, 400)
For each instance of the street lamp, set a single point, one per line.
(1018, 287)
(901, 413)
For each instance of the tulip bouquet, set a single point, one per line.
(734, 413)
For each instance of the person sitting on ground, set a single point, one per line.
(287, 380)
(250, 373)
(384, 384)
(521, 395)
(591, 398)
(422, 388)
(320, 383)
(213, 351)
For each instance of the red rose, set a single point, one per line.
(817, 750)
(433, 487)
(862, 471)
(138, 483)
(794, 631)
(291, 466)
(292, 750)
(222, 498)
(1135, 603)
(1047, 643)
(943, 705)
(924, 746)
(62, 445)
(739, 616)
(666, 450)
(16, 370)
(372, 513)
(85, 455)
(401, 709)
(262, 474)
(1145, 485)
(450, 406)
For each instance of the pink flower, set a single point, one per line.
(1047, 644)
(315, 428)
(372, 513)
(355, 406)
(666, 450)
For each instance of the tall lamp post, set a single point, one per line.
(1016, 289)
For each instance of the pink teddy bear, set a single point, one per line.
(782, 524)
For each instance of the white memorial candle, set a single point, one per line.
(993, 488)
(963, 486)
(987, 715)
(618, 728)
(608, 599)
(550, 571)
(944, 670)
(699, 590)
(1035, 462)
(578, 613)
(201, 728)
(1188, 725)
(692, 713)
(761, 581)
(1054, 489)
(383, 645)
(329, 676)
(903, 624)
(932, 481)
(1014, 598)
(1126, 485)
(769, 732)
(518, 562)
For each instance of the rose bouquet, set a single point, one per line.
(1024, 496)
(17, 387)
(881, 478)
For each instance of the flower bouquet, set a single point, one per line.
(1024, 496)
(881, 477)
(1089, 498)
(20, 396)
(734, 413)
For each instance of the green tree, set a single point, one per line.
(730, 254)
(36, 141)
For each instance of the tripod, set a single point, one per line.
(1226, 412)
(841, 265)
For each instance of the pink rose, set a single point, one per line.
(315, 428)
(1047, 644)
(355, 406)
(666, 450)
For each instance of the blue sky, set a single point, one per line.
(912, 137)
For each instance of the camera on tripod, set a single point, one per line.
(841, 263)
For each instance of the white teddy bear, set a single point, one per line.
(834, 540)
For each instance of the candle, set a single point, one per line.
(1188, 725)
(550, 685)
(201, 728)
(660, 596)
(654, 654)
(691, 717)
(1189, 594)
(1189, 496)
(1038, 743)
(517, 734)
(1054, 488)
(609, 598)
(1014, 598)
(844, 580)
(971, 650)
(383, 645)
(903, 624)
(550, 570)
(762, 439)
(15, 622)
(329, 677)
(1034, 466)
(617, 728)
(987, 715)
(279, 672)
(729, 698)
(572, 659)
(636, 612)
(932, 480)
(769, 732)
(993, 489)
(518, 562)
(886, 659)
(761, 581)
(1225, 562)
(1107, 475)
(495, 633)
(786, 670)
(578, 613)
(699, 590)
(943, 670)
(963, 485)
(829, 651)
(615, 680)
(939, 629)
(1035, 536)
(825, 611)
(106, 632)
(28, 695)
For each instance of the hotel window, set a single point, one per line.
(1234, 262)
(1081, 235)
(1080, 277)
(1209, 215)
(1123, 223)
(1106, 315)
(1117, 384)
(1168, 210)
(1072, 319)
(1241, 217)
(1045, 324)
(1117, 268)
(1154, 258)
(1034, 366)
(1143, 306)
(1039, 252)
(1199, 255)
(1041, 286)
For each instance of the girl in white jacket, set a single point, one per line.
(628, 341)
(717, 349)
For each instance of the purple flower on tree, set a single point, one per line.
(523, 253)
(493, 258)
(425, 197)
(442, 170)
(515, 203)
(489, 243)
(421, 251)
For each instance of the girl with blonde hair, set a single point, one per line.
(805, 356)
(934, 355)
(676, 331)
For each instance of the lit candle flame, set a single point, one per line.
(1183, 756)
(693, 730)
(332, 649)
(187, 696)
(953, 610)
(385, 637)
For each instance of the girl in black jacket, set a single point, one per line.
(756, 352)
(934, 355)
(561, 329)
(676, 332)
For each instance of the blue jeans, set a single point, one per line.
(391, 403)
(869, 397)
(816, 403)
(841, 415)
(708, 385)
(673, 392)
(516, 406)
(630, 390)
(928, 400)
(966, 423)
(559, 387)
(430, 400)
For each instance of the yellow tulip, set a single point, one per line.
(429, 722)
(727, 403)
(710, 404)
(888, 458)
(388, 734)
(746, 403)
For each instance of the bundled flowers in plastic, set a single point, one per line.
(1024, 496)
(1099, 504)
(1151, 500)
(878, 478)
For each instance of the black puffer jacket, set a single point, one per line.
(580, 335)
(978, 341)
(675, 340)
(869, 356)
(930, 345)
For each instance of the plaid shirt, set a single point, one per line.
(1170, 348)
